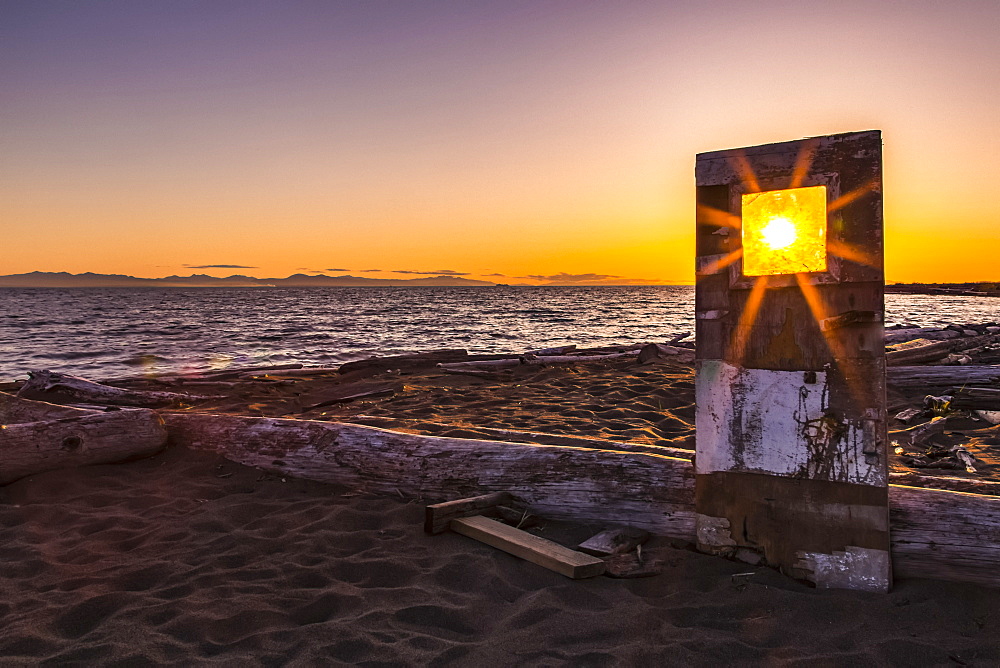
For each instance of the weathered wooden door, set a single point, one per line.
(791, 463)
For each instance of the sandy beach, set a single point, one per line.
(186, 558)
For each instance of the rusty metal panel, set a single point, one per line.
(791, 372)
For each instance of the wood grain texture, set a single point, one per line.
(438, 515)
(945, 535)
(15, 409)
(943, 376)
(93, 438)
(642, 489)
(529, 547)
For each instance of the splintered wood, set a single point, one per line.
(529, 547)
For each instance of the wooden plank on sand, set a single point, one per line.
(438, 515)
(527, 546)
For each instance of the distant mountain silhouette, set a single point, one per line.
(62, 279)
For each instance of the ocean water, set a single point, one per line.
(106, 333)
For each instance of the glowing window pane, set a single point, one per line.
(784, 231)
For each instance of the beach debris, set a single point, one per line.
(978, 398)
(937, 406)
(519, 519)
(631, 565)
(652, 352)
(558, 350)
(908, 415)
(528, 360)
(61, 388)
(965, 457)
(917, 351)
(915, 436)
(943, 376)
(404, 362)
(993, 417)
(893, 336)
(614, 541)
(71, 437)
(290, 373)
(352, 392)
(537, 550)
(438, 515)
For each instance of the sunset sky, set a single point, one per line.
(511, 141)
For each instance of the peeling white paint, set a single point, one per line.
(764, 421)
(858, 568)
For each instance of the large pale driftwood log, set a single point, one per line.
(650, 491)
(92, 437)
(64, 389)
(935, 533)
(514, 436)
(943, 376)
(945, 535)
(15, 409)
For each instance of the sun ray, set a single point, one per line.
(852, 196)
(833, 342)
(738, 343)
(742, 167)
(721, 263)
(803, 162)
(713, 216)
(852, 253)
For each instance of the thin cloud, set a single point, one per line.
(439, 272)
(217, 266)
(368, 271)
(338, 269)
(501, 275)
(562, 278)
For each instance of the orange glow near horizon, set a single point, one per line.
(784, 231)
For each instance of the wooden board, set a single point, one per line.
(438, 515)
(535, 549)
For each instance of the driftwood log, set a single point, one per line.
(923, 350)
(525, 437)
(61, 388)
(68, 437)
(910, 333)
(943, 376)
(935, 533)
(558, 482)
(975, 398)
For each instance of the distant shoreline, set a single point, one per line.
(944, 289)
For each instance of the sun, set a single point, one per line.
(778, 233)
